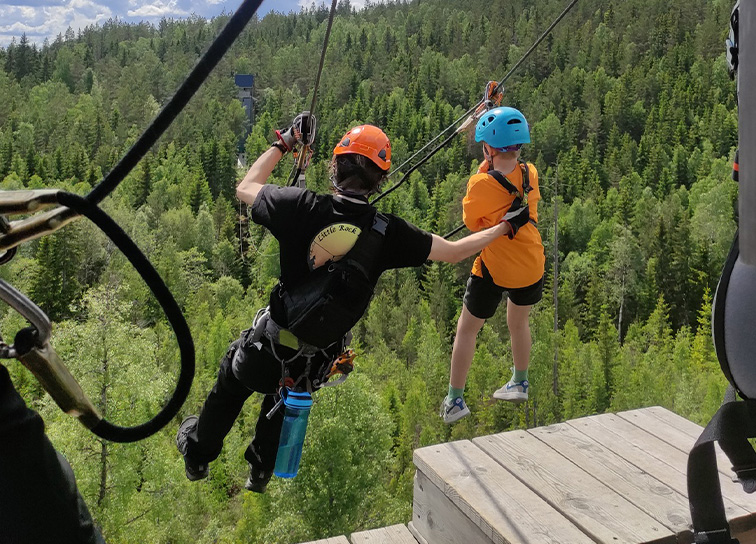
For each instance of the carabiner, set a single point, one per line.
(32, 347)
(25, 202)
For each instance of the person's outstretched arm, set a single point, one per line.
(453, 252)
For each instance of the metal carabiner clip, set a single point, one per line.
(32, 347)
(25, 202)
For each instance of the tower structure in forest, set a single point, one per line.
(245, 84)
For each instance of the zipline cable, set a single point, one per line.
(185, 92)
(469, 112)
(500, 86)
(302, 160)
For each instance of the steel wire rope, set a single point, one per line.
(498, 88)
(176, 104)
(303, 154)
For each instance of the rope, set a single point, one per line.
(107, 430)
(88, 207)
(498, 88)
(185, 92)
(303, 154)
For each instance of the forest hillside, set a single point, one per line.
(630, 98)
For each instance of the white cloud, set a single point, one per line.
(158, 10)
(41, 19)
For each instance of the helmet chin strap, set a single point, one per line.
(487, 155)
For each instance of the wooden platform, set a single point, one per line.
(610, 478)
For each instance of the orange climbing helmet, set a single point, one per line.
(368, 141)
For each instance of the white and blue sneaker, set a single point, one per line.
(513, 391)
(453, 411)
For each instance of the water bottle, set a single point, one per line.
(296, 413)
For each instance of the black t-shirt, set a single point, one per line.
(313, 229)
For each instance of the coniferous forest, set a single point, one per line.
(634, 126)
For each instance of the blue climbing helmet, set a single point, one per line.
(503, 128)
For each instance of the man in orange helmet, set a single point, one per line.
(313, 230)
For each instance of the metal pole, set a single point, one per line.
(747, 130)
(556, 282)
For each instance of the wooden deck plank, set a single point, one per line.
(685, 425)
(676, 430)
(499, 504)
(586, 501)
(421, 539)
(654, 456)
(672, 434)
(650, 495)
(332, 540)
(395, 534)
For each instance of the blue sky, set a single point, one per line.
(41, 19)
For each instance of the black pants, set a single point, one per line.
(256, 370)
(39, 501)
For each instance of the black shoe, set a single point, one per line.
(193, 471)
(258, 479)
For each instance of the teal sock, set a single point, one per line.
(455, 393)
(520, 375)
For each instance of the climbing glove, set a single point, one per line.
(301, 131)
(516, 218)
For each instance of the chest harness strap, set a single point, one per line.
(521, 199)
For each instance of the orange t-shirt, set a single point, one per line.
(512, 263)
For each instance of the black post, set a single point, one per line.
(747, 130)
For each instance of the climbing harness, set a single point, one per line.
(521, 198)
(320, 313)
(471, 115)
(302, 158)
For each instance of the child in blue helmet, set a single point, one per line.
(504, 189)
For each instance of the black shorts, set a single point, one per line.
(483, 296)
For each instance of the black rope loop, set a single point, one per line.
(178, 323)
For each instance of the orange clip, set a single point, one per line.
(343, 364)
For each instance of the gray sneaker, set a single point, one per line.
(513, 391)
(194, 471)
(453, 411)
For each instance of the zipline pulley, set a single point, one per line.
(303, 160)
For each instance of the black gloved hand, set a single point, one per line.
(515, 219)
(301, 131)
